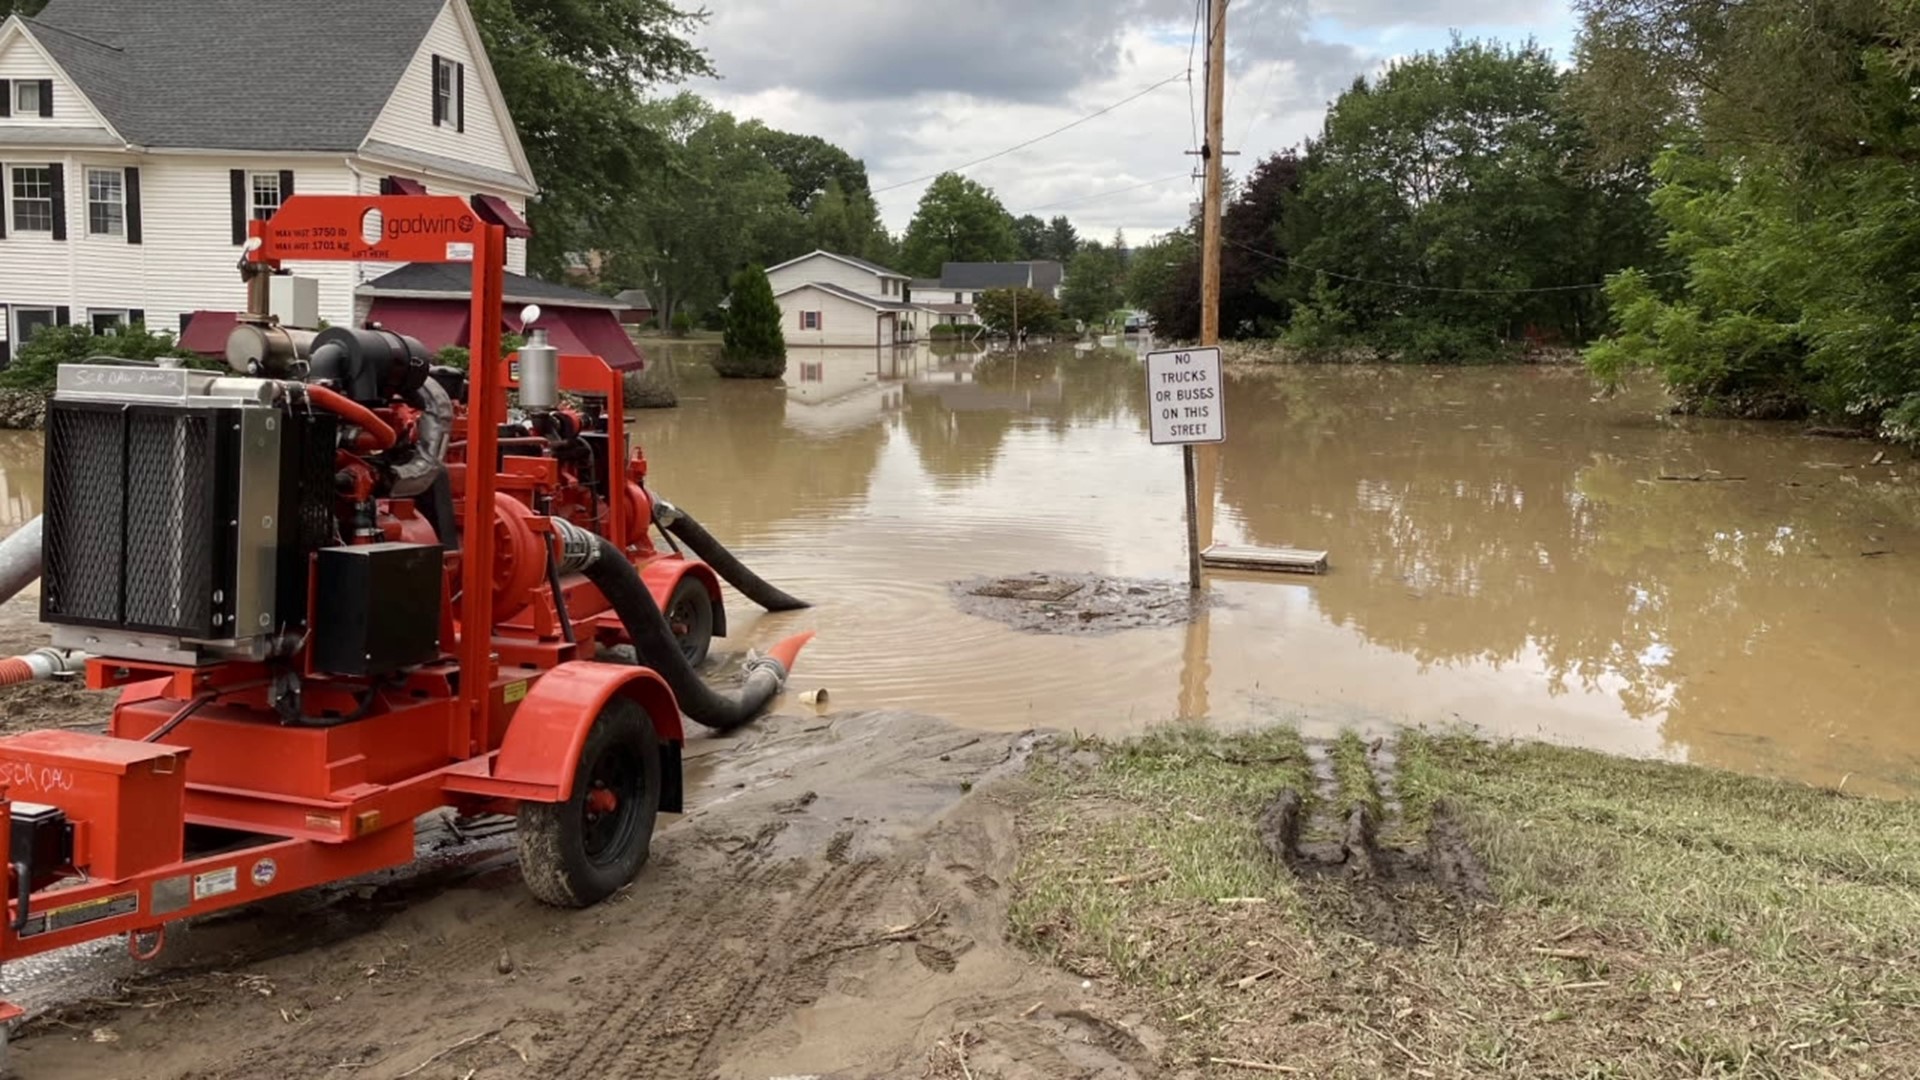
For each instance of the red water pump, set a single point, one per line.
(340, 587)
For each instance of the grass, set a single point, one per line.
(1649, 920)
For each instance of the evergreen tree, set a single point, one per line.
(756, 348)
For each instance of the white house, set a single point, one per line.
(138, 139)
(828, 299)
(952, 295)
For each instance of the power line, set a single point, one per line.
(1097, 196)
(1176, 77)
(1193, 42)
(1407, 286)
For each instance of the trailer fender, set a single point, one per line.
(548, 730)
(662, 576)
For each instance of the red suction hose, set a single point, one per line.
(354, 413)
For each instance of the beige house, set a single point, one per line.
(828, 299)
(137, 140)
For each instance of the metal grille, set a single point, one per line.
(170, 521)
(84, 526)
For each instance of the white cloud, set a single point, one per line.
(914, 90)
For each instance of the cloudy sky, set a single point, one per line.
(914, 88)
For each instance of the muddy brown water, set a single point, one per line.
(1505, 553)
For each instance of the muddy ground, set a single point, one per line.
(1091, 604)
(834, 906)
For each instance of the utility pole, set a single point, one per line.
(1213, 155)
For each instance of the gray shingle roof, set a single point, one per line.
(848, 294)
(440, 163)
(237, 74)
(448, 280)
(871, 268)
(962, 275)
(36, 135)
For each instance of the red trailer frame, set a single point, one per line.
(504, 722)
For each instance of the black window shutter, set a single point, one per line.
(185, 318)
(62, 316)
(239, 177)
(58, 174)
(133, 204)
(3, 201)
(433, 78)
(459, 97)
(137, 317)
(286, 185)
(386, 186)
(46, 97)
(6, 97)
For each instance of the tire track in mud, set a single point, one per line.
(667, 1022)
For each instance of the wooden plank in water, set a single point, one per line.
(1282, 560)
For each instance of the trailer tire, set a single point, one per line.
(690, 614)
(578, 852)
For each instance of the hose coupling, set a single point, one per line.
(579, 548)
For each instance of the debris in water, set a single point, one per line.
(1051, 603)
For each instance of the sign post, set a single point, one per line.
(1186, 406)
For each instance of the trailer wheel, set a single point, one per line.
(578, 852)
(690, 614)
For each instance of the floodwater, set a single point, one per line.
(1505, 554)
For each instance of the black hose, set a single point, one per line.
(657, 648)
(681, 524)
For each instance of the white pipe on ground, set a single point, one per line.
(20, 559)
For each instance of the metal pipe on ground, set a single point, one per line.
(20, 559)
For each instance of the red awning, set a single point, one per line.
(436, 323)
(606, 338)
(495, 210)
(400, 185)
(207, 332)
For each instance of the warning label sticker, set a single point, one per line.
(216, 882)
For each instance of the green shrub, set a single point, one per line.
(952, 330)
(457, 356)
(756, 347)
(36, 365)
(682, 324)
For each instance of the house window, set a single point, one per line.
(446, 93)
(107, 321)
(28, 321)
(106, 202)
(957, 300)
(26, 98)
(266, 194)
(32, 198)
(809, 320)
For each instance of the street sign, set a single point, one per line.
(1186, 397)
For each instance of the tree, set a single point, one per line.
(846, 223)
(1154, 276)
(810, 164)
(1062, 242)
(572, 72)
(1443, 210)
(1030, 236)
(756, 347)
(1017, 311)
(1791, 162)
(1095, 284)
(710, 205)
(958, 220)
(22, 8)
